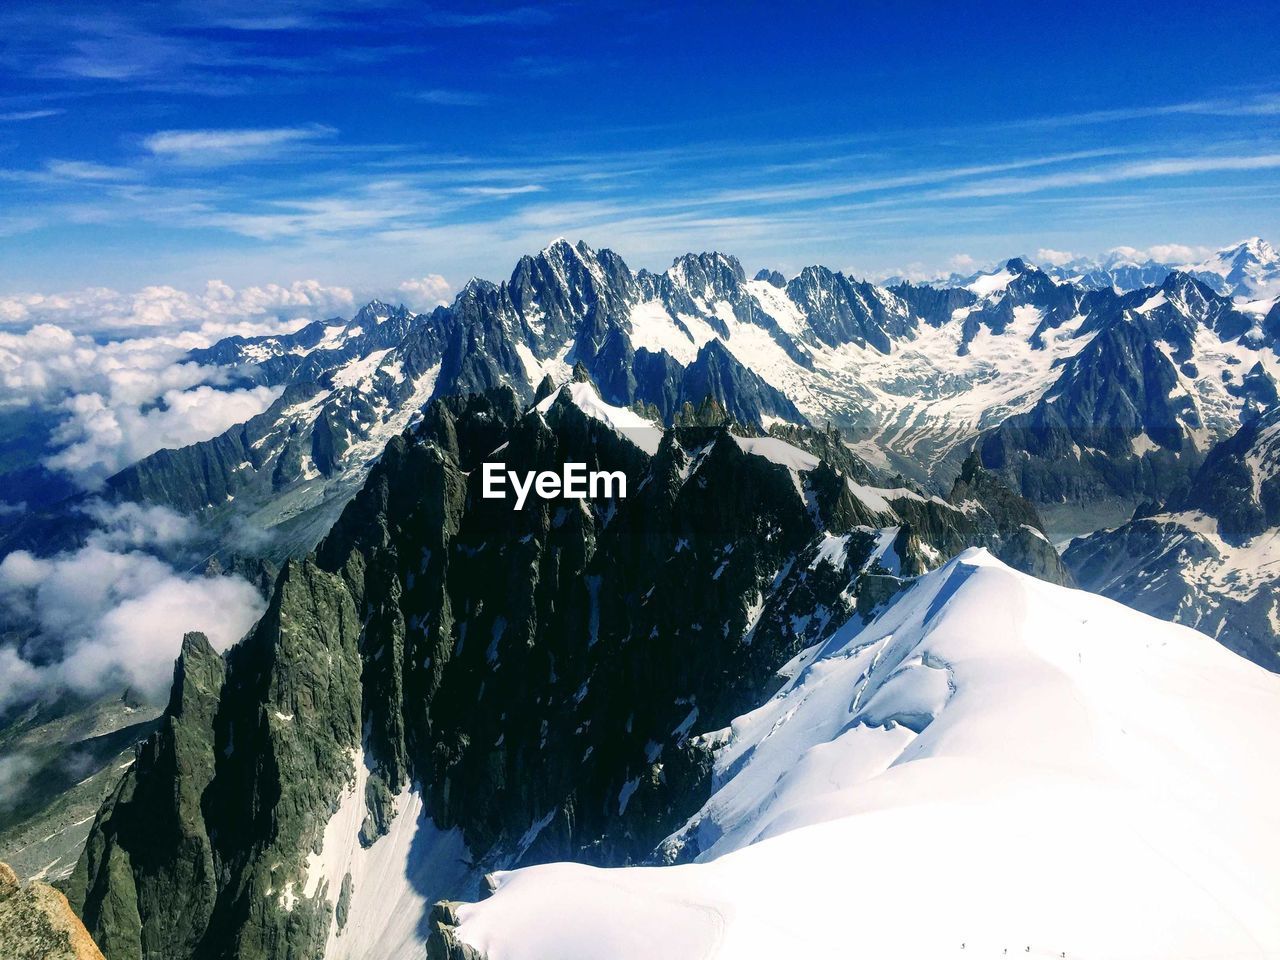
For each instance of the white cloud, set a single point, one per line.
(93, 172)
(424, 294)
(217, 311)
(135, 525)
(498, 193)
(1055, 257)
(14, 768)
(451, 98)
(113, 613)
(1118, 173)
(1176, 253)
(121, 399)
(215, 147)
(101, 438)
(48, 362)
(112, 618)
(962, 263)
(19, 116)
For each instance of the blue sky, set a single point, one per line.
(362, 143)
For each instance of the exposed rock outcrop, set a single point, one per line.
(37, 923)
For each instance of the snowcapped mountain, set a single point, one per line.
(1247, 271)
(1131, 415)
(1118, 270)
(995, 766)
(913, 375)
(449, 686)
(1209, 558)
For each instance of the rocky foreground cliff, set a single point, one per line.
(37, 923)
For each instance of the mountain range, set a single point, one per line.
(1248, 270)
(1089, 401)
(810, 583)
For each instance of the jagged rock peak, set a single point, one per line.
(714, 273)
(378, 309)
(547, 387)
(772, 277)
(197, 673)
(562, 252)
(1180, 280)
(476, 287)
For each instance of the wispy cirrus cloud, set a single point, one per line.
(1254, 105)
(84, 170)
(214, 147)
(524, 15)
(1139, 170)
(20, 116)
(451, 98)
(500, 192)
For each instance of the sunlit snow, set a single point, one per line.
(996, 766)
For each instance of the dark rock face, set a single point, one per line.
(841, 310)
(934, 304)
(222, 801)
(743, 394)
(443, 942)
(1119, 423)
(177, 898)
(546, 666)
(1239, 484)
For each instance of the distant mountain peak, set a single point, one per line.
(377, 311)
(562, 249)
(1252, 246)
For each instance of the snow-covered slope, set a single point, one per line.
(645, 434)
(385, 886)
(1209, 558)
(1249, 269)
(995, 766)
